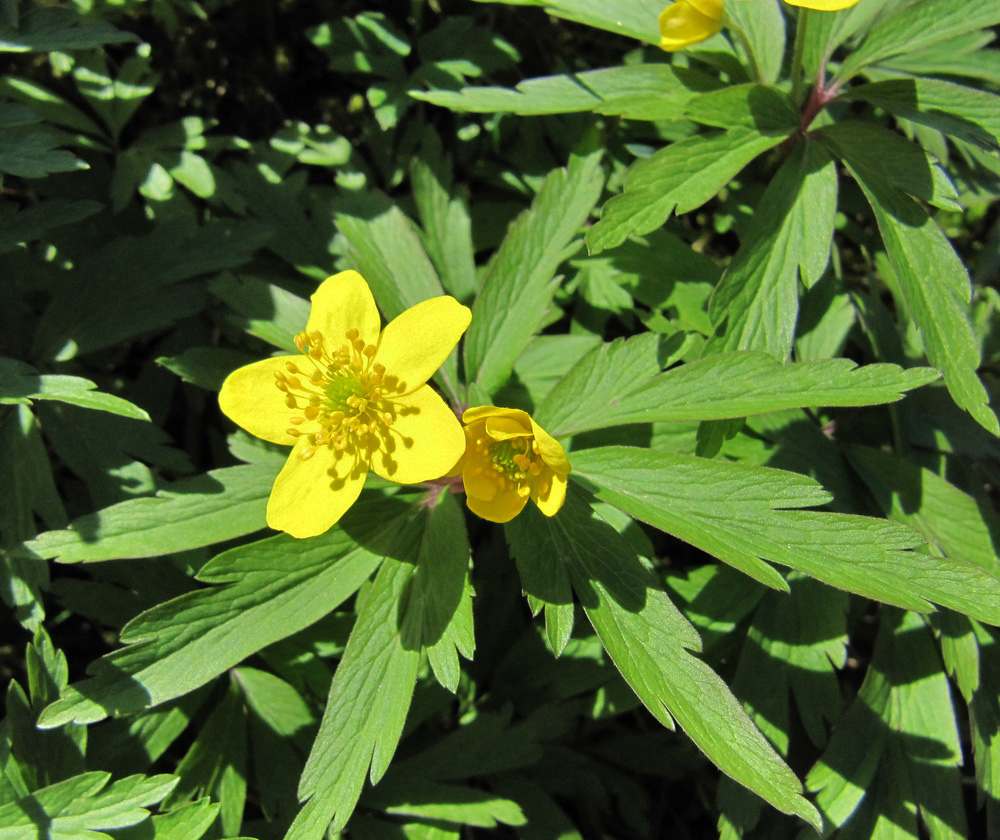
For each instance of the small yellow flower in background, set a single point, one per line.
(508, 459)
(686, 22)
(354, 400)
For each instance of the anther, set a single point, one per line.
(291, 367)
(306, 454)
(352, 334)
(296, 421)
(290, 401)
(369, 350)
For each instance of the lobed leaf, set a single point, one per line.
(520, 279)
(740, 514)
(620, 382)
(650, 641)
(638, 92)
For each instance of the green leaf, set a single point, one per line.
(189, 822)
(21, 226)
(47, 28)
(739, 513)
(20, 383)
(437, 603)
(449, 803)
(216, 763)
(277, 587)
(365, 712)
(34, 154)
(907, 166)
(638, 92)
(935, 287)
(904, 715)
(72, 809)
(385, 248)
(444, 217)
(916, 26)
(755, 106)
(966, 113)
(620, 382)
(676, 179)
(631, 18)
(761, 31)
(206, 367)
(520, 280)
(789, 236)
(954, 522)
(192, 512)
(263, 309)
(650, 642)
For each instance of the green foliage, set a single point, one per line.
(749, 287)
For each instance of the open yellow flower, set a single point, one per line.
(354, 399)
(508, 459)
(686, 22)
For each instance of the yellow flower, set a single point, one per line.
(354, 400)
(509, 458)
(686, 22)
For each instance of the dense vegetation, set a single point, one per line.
(750, 285)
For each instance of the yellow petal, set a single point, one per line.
(684, 23)
(550, 449)
(424, 441)
(481, 412)
(503, 507)
(343, 302)
(554, 497)
(250, 398)
(505, 428)
(481, 483)
(310, 495)
(823, 5)
(415, 344)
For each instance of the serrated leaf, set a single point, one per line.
(904, 716)
(650, 643)
(72, 809)
(263, 309)
(278, 587)
(960, 111)
(789, 237)
(20, 226)
(915, 26)
(909, 167)
(620, 382)
(936, 288)
(191, 512)
(20, 383)
(47, 28)
(365, 712)
(640, 91)
(741, 514)
(35, 154)
(676, 179)
(520, 280)
(449, 803)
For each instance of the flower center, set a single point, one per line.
(345, 393)
(514, 460)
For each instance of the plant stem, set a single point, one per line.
(801, 26)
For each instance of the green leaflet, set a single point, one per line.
(893, 158)
(405, 610)
(936, 289)
(756, 304)
(915, 26)
(649, 641)
(276, 587)
(637, 92)
(620, 382)
(963, 112)
(904, 715)
(263, 309)
(191, 512)
(20, 383)
(632, 18)
(520, 280)
(71, 809)
(761, 29)
(676, 179)
(740, 514)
